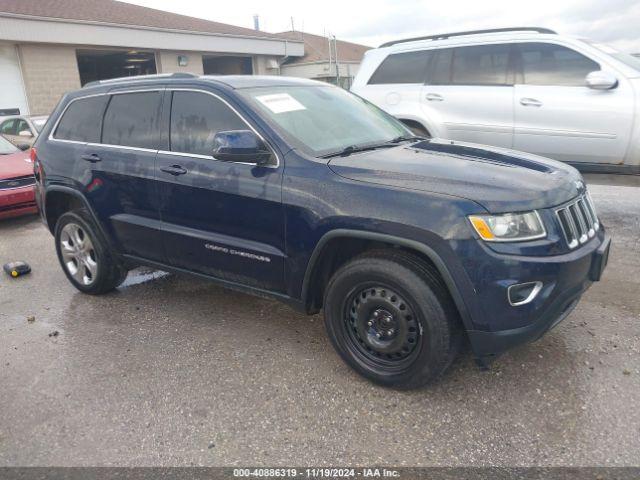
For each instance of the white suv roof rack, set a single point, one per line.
(444, 36)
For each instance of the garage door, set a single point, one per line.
(12, 96)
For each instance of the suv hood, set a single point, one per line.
(500, 180)
(15, 165)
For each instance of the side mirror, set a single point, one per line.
(601, 80)
(23, 146)
(240, 146)
(25, 133)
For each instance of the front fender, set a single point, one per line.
(453, 274)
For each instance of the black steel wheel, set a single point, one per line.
(390, 317)
(382, 326)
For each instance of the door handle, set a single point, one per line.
(434, 97)
(174, 170)
(91, 157)
(530, 102)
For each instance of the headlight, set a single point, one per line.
(509, 227)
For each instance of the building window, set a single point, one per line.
(105, 64)
(227, 65)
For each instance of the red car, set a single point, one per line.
(17, 192)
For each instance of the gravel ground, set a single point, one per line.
(172, 370)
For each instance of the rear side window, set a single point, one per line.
(132, 120)
(8, 127)
(548, 64)
(195, 120)
(82, 120)
(409, 67)
(480, 65)
(22, 126)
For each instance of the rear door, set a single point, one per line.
(223, 219)
(8, 129)
(121, 181)
(23, 127)
(557, 116)
(469, 93)
(396, 84)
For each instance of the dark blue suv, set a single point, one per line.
(304, 192)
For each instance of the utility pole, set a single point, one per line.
(335, 51)
(293, 28)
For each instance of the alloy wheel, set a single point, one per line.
(78, 254)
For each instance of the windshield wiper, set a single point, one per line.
(345, 152)
(405, 138)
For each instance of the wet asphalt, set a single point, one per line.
(173, 370)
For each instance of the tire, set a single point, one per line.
(392, 319)
(84, 256)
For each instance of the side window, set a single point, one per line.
(7, 127)
(22, 126)
(409, 67)
(132, 120)
(548, 64)
(440, 68)
(196, 118)
(82, 120)
(481, 65)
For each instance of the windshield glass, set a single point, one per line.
(6, 147)
(324, 120)
(628, 60)
(39, 123)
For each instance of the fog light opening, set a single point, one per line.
(523, 293)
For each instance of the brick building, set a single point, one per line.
(48, 47)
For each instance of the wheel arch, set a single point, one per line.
(60, 199)
(416, 126)
(424, 123)
(314, 266)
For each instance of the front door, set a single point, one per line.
(469, 93)
(222, 219)
(557, 116)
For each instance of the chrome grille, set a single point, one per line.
(578, 220)
(18, 182)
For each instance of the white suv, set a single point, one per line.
(527, 89)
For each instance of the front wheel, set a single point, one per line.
(391, 319)
(84, 256)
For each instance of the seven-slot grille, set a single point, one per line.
(578, 220)
(18, 182)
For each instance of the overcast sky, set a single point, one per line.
(373, 22)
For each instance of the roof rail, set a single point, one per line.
(443, 36)
(141, 78)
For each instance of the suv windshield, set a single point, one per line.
(628, 60)
(325, 120)
(6, 147)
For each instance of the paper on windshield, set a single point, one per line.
(280, 103)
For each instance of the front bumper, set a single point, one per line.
(565, 279)
(17, 202)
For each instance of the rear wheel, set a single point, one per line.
(391, 319)
(84, 256)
